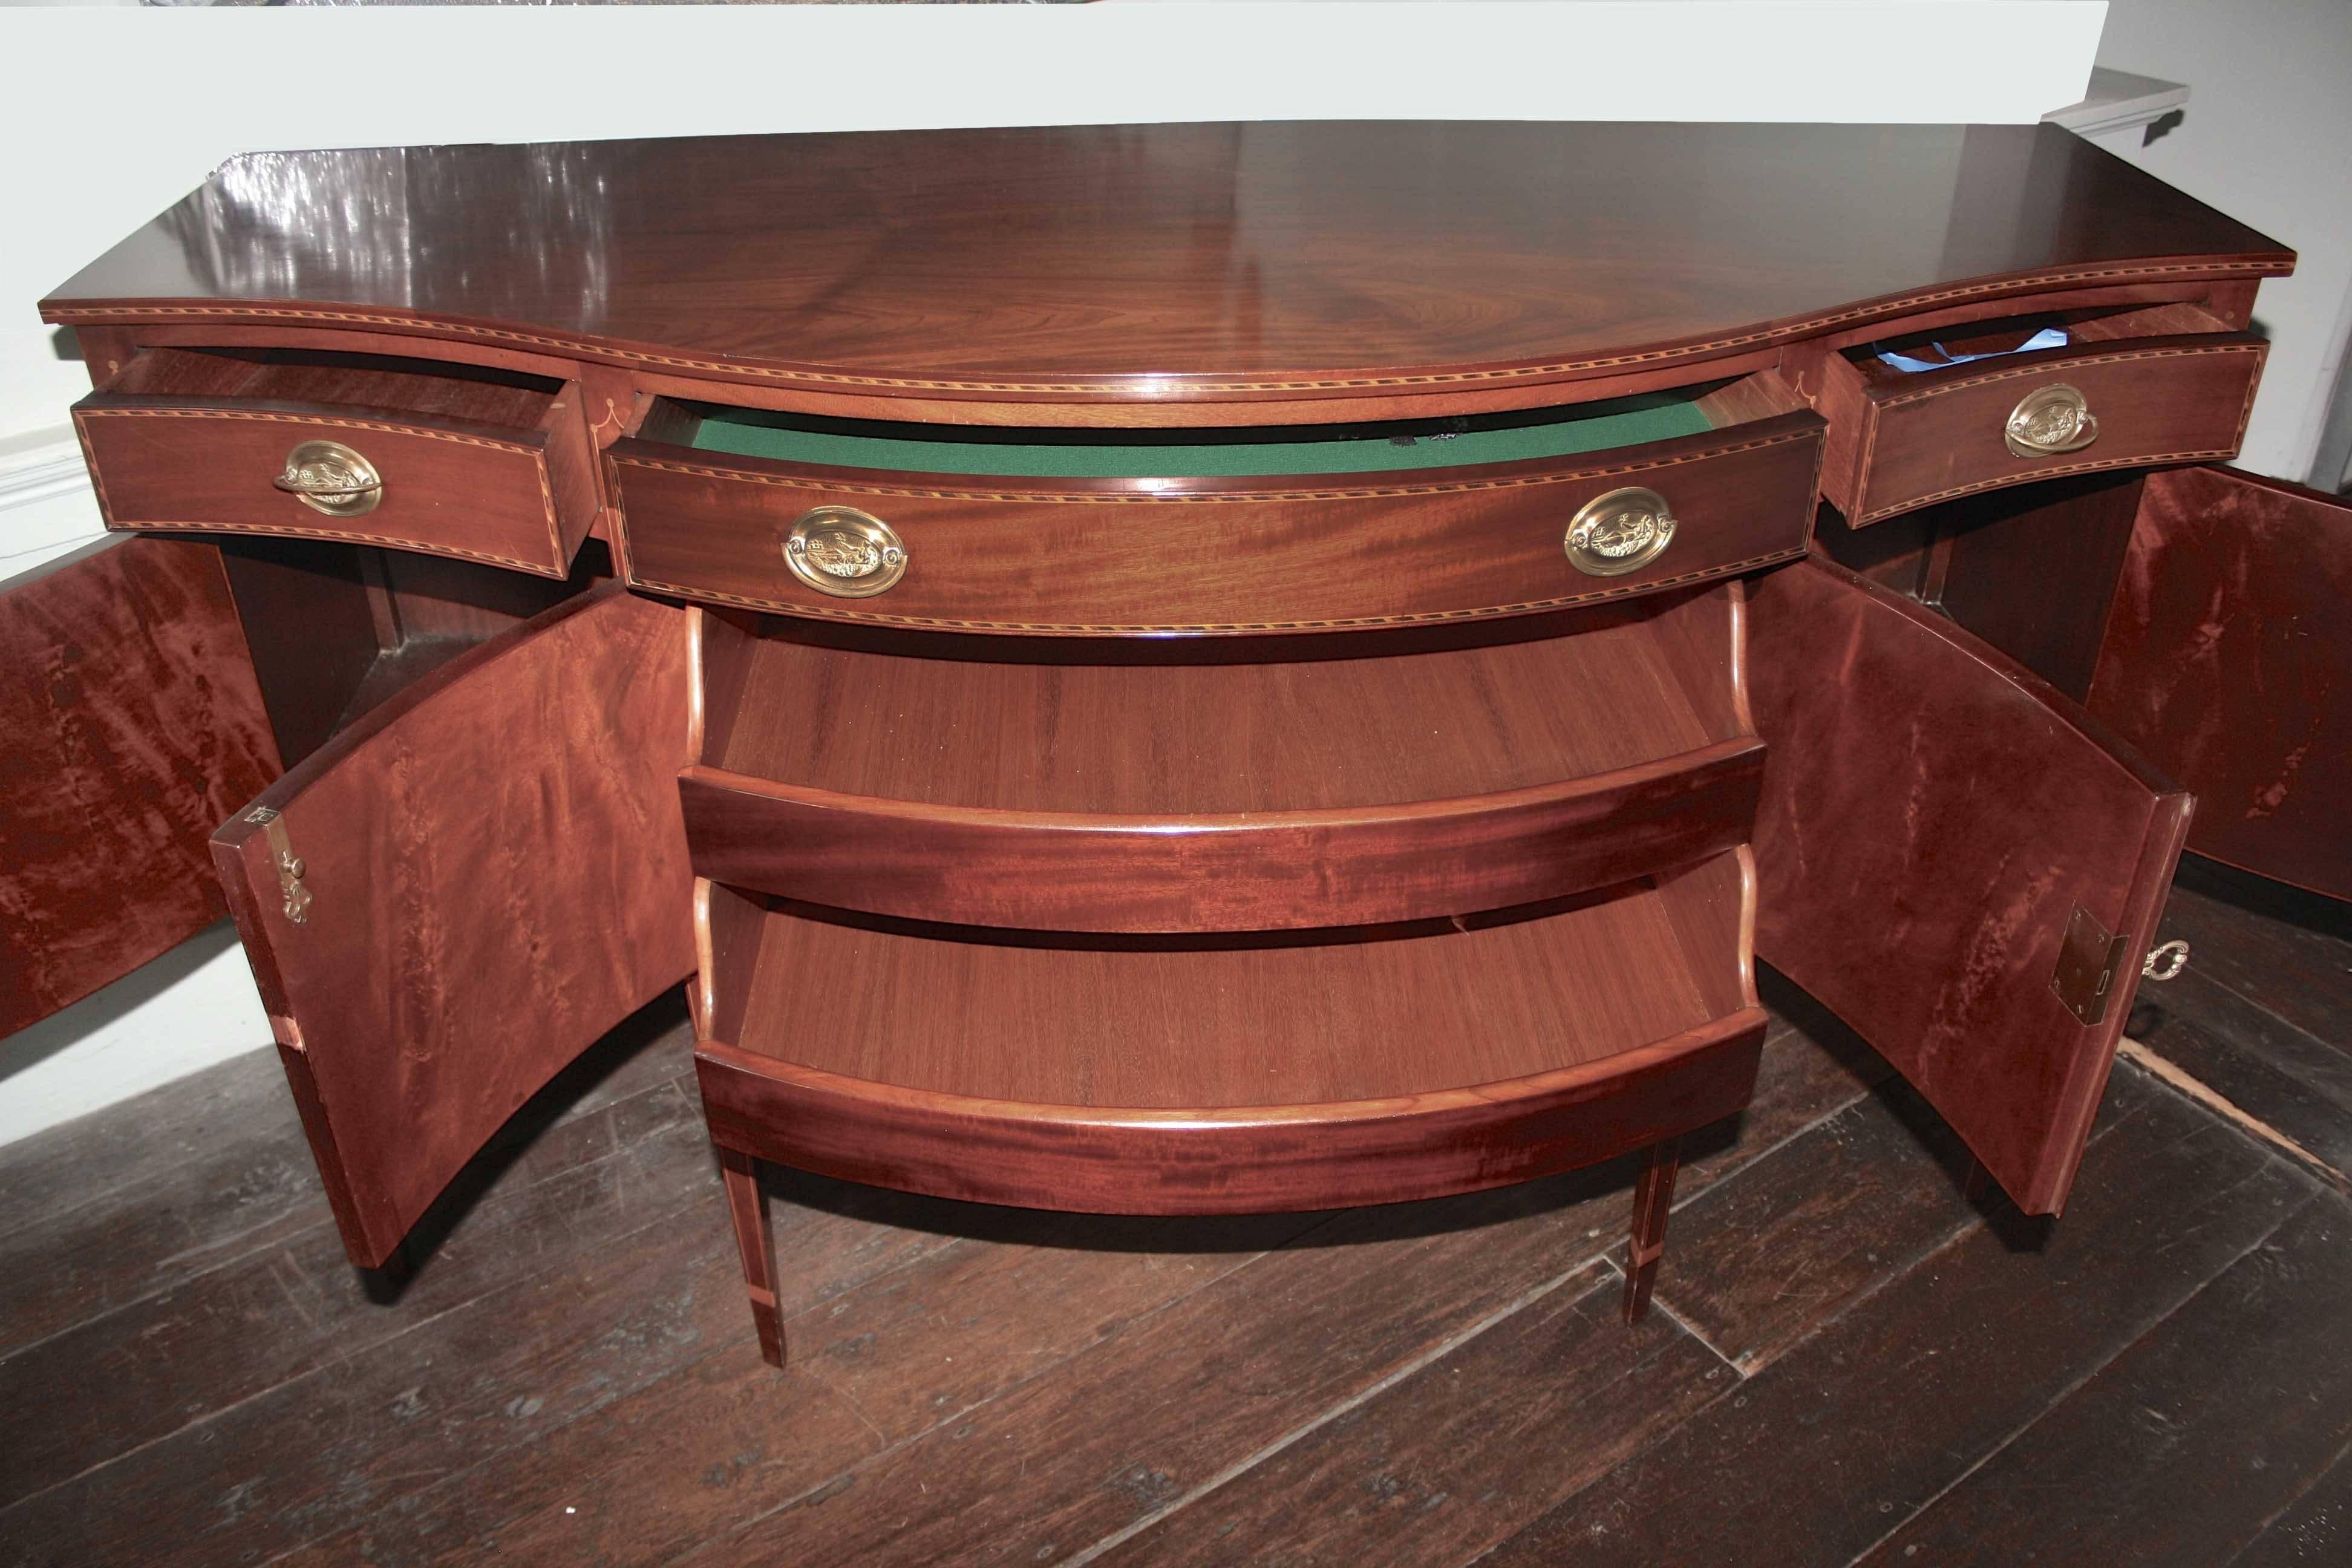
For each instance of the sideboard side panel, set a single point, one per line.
(130, 725)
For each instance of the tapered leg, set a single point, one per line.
(750, 1211)
(1653, 1195)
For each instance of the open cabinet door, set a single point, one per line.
(457, 895)
(2227, 660)
(130, 724)
(1955, 860)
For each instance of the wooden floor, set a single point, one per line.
(1852, 1364)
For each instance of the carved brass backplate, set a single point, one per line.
(846, 553)
(2048, 420)
(2087, 960)
(329, 477)
(1621, 531)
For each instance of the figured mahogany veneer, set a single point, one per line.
(1079, 274)
(1219, 555)
(488, 468)
(130, 724)
(1906, 439)
(2227, 660)
(491, 875)
(1357, 1066)
(1937, 797)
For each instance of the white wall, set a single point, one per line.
(109, 116)
(2267, 138)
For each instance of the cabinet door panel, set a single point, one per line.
(1932, 817)
(130, 725)
(455, 896)
(2228, 661)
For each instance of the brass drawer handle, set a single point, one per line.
(1621, 531)
(849, 553)
(2050, 420)
(329, 477)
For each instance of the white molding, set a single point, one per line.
(47, 464)
(2119, 101)
(47, 505)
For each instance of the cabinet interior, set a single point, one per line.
(1233, 726)
(334, 629)
(1304, 1018)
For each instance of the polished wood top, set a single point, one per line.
(1161, 262)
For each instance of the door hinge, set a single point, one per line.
(289, 865)
(2088, 959)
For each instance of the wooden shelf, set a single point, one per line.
(1230, 796)
(1202, 1075)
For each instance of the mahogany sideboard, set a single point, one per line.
(1174, 668)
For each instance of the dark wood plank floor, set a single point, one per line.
(1852, 1364)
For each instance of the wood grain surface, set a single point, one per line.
(1241, 872)
(132, 728)
(2227, 660)
(1168, 266)
(1930, 820)
(1237, 554)
(479, 469)
(1938, 434)
(1125, 1075)
(497, 876)
(1184, 730)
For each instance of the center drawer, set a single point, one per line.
(1079, 532)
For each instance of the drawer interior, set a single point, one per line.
(1892, 361)
(1185, 729)
(1262, 450)
(474, 393)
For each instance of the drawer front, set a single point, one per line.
(1080, 556)
(480, 492)
(2154, 400)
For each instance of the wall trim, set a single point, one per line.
(47, 464)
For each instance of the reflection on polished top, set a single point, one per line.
(1142, 262)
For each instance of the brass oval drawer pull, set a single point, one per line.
(1621, 531)
(329, 477)
(2050, 420)
(849, 553)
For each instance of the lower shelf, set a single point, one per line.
(1142, 1076)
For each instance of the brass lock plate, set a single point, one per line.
(845, 553)
(2086, 977)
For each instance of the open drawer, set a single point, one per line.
(1073, 532)
(1360, 780)
(1972, 408)
(487, 465)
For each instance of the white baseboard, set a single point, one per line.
(192, 1007)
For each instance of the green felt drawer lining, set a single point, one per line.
(1623, 422)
